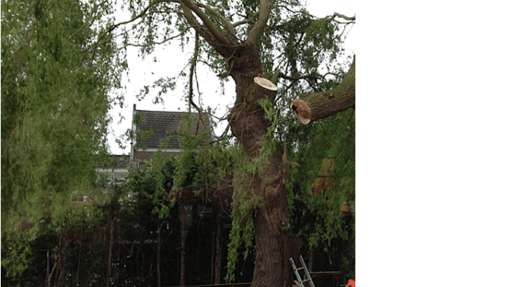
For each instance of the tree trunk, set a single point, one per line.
(218, 251)
(247, 119)
(315, 106)
(185, 219)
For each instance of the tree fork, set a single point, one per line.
(315, 106)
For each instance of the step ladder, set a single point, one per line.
(307, 278)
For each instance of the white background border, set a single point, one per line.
(433, 143)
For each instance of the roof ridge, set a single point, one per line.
(176, 112)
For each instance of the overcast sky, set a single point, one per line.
(170, 61)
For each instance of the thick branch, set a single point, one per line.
(315, 106)
(221, 48)
(192, 21)
(213, 29)
(258, 28)
(224, 21)
(242, 22)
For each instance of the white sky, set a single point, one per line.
(170, 61)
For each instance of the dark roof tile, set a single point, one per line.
(158, 129)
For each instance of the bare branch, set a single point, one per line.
(224, 135)
(138, 16)
(242, 22)
(299, 77)
(347, 18)
(160, 42)
(218, 35)
(192, 21)
(193, 64)
(102, 36)
(258, 28)
(224, 21)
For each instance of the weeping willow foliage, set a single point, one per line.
(55, 82)
(57, 69)
(331, 140)
(58, 62)
(309, 52)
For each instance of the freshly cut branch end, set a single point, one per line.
(303, 111)
(267, 87)
(318, 105)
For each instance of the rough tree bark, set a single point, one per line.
(315, 106)
(274, 245)
(249, 126)
(272, 242)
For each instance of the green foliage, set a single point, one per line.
(152, 181)
(55, 80)
(244, 202)
(17, 247)
(17, 254)
(201, 166)
(58, 64)
(56, 75)
(331, 139)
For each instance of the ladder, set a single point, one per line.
(307, 277)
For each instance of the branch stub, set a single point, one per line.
(303, 111)
(268, 87)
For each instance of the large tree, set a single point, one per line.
(255, 43)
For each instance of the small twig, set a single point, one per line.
(140, 15)
(162, 41)
(299, 77)
(347, 18)
(193, 63)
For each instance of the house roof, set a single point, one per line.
(117, 161)
(159, 129)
